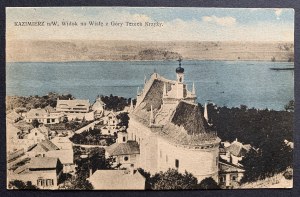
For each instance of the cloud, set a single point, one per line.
(278, 12)
(223, 21)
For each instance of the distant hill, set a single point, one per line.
(91, 50)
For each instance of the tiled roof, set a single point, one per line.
(49, 109)
(190, 117)
(117, 180)
(238, 149)
(183, 125)
(65, 156)
(129, 148)
(46, 145)
(13, 115)
(226, 167)
(36, 113)
(73, 103)
(43, 162)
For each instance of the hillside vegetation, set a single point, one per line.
(95, 50)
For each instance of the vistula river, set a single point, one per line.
(225, 83)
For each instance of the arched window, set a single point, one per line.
(124, 139)
(176, 163)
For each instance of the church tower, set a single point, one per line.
(179, 82)
(180, 72)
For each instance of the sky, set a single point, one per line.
(186, 24)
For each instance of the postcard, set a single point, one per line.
(149, 98)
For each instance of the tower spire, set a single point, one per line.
(138, 91)
(205, 113)
(193, 90)
(131, 106)
(145, 79)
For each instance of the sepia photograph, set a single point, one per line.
(149, 98)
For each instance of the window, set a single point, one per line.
(124, 139)
(167, 158)
(39, 182)
(35, 133)
(217, 161)
(126, 158)
(233, 178)
(48, 120)
(53, 120)
(176, 163)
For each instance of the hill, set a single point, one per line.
(95, 50)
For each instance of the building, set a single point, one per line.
(171, 131)
(44, 116)
(98, 108)
(110, 118)
(13, 117)
(73, 106)
(39, 134)
(47, 148)
(63, 143)
(117, 180)
(230, 174)
(44, 172)
(236, 151)
(125, 153)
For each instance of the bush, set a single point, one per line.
(288, 174)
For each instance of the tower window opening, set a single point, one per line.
(124, 139)
(176, 163)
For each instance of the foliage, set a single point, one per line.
(290, 106)
(78, 182)
(35, 123)
(208, 183)
(21, 185)
(288, 174)
(93, 137)
(124, 119)
(169, 180)
(265, 130)
(115, 103)
(35, 101)
(156, 54)
(75, 125)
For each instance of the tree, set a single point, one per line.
(17, 184)
(172, 179)
(77, 183)
(290, 106)
(208, 183)
(124, 119)
(35, 123)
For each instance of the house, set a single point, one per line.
(125, 153)
(73, 106)
(230, 174)
(12, 132)
(110, 118)
(236, 151)
(110, 130)
(44, 116)
(47, 148)
(98, 107)
(39, 134)
(171, 131)
(44, 172)
(13, 117)
(117, 180)
(63, 143)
